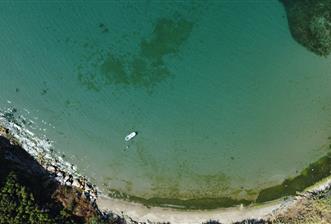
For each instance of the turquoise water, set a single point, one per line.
(223, 99)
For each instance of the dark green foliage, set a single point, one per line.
(29, 195)
(97, 220)
(17, 205)
(310, 24)
(196, 203)
(312, 174)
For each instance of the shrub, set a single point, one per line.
(17, 205)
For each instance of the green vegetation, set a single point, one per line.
(310, 24)
(197, 203)
(146, 68)
(312, 174)
(18, 205)
(29, 195)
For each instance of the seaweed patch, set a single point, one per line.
(144, 69)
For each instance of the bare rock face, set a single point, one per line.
(71, 198)
(310, 24)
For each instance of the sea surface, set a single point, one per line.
(224, 101)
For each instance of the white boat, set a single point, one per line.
(130, 136)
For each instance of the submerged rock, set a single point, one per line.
(310, 24)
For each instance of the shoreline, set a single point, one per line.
(67, 175)
(265, 211)
(41, 149)
(141, 213)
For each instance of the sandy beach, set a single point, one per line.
(265, 211)
(140, 213)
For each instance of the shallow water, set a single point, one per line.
(222, 97)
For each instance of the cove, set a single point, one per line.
(227, 104)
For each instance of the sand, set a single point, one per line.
(141, 213)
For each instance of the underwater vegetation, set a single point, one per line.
(198, 203)
(147, 67)
(315, 172)
(310, 24)
(312, 174)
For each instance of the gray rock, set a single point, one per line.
(52, 169)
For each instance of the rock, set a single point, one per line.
(52, 169)
(74, 168)
(48, 157)
(76, 183)
(3, 131)
(59, 179)
(66, 178)
(68, 183)
(60, 174)
(88, 187)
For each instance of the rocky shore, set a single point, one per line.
(52, 177)
(50, 194)
(62, 171)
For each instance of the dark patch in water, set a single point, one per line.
(44, 92)
(103, 28)
(312, 174)
(45, 89)
(201, 203)
(145, 69)
(10, 114)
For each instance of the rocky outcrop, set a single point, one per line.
(49, 188)
(42, 154)
(309, 207)
(310, 24)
